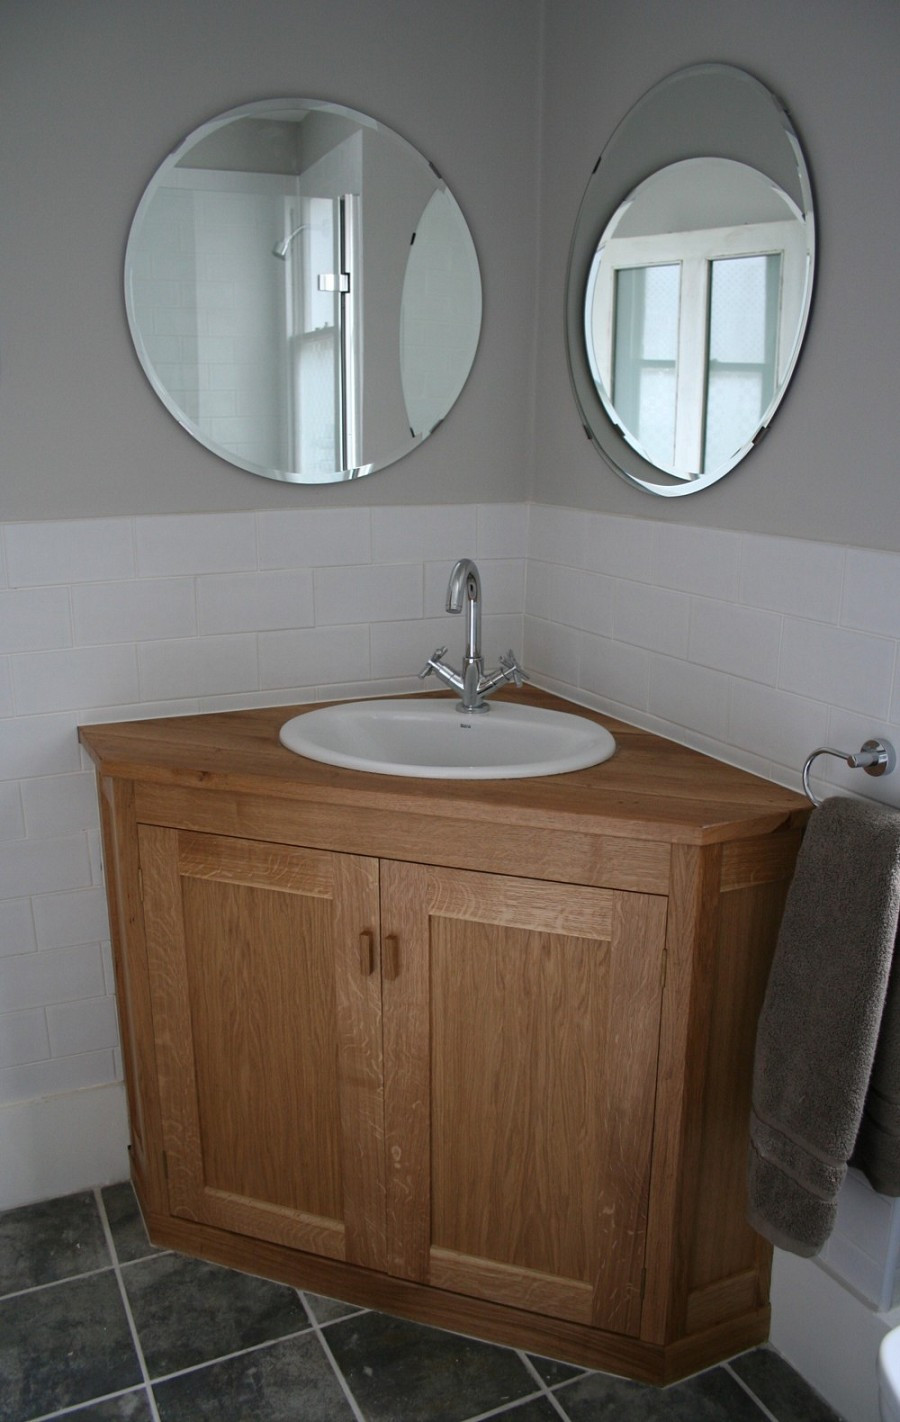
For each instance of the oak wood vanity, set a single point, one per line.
(477, 1053)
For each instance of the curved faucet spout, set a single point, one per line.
(473, 686)
(465, 581)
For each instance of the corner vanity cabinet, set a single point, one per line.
(478, 1053)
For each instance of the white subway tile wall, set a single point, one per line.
(754, 649)
(112, 619)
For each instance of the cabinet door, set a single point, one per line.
(267, 1015)
(521, 1024)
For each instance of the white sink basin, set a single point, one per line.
(433, 739)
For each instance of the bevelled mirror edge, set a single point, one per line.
(703, 111)
(331, 373)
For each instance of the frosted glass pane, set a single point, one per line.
(733, 410)
(656, 414)
(742, 307)
(647, 311)
(316, 410)
(661, 298)
(320, 254)
(646, 347)
(743, 327)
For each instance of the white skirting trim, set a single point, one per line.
(55, 1145)
(829, 1334)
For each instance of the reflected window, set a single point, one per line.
(267, 295)
(645, 370)
(743, 344)
(690, 378)
(690, 321)
(313, 321)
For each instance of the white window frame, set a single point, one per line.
(693, 251)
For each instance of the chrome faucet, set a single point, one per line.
(473, 686)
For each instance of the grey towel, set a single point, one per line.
(820, 1022)
(877, 1150)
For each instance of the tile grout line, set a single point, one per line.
(79, 1408)
(117, 1269)
(506, 1409)
(207, 1363)
(726, 1366)
(500, 1411)
(55, 1283)
(323, 1344)
(547, 1391)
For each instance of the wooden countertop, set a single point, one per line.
(651, 788)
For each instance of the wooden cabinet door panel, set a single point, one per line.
(269, 1028)
(521, 1035)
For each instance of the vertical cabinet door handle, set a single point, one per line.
(367, 953)
(391, 957)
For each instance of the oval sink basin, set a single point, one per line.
(433, 739)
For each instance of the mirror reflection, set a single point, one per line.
(303, 291)
(690, 279)
(692, 311)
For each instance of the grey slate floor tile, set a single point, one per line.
(56, 1239)
(780, 1388)
(713, 1396)
(129, 1407)
(64, 1344)
(125, 1223)
(400, 1369)
(188, 1312)
(221, 1346)
(291, 1381)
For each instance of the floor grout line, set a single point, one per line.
(503, 1408)
(228, 1357)
(749, 1391)
(117, 1268)
(541, 1387)
(323, 1344)
(546, 1389)
(56, 1283)
(81, 1407)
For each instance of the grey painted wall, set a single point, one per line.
(830, 465)
(93, 93)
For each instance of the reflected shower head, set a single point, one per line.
(282, 248)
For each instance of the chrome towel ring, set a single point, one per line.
(874, 757)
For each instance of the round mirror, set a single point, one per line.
(302, 291)
(690, 280)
